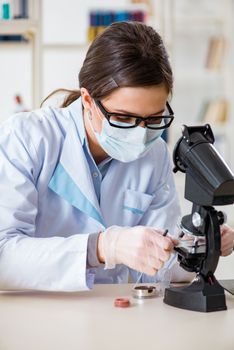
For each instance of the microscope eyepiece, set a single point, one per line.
(209, 180)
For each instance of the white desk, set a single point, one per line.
(88, 320)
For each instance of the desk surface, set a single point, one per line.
(88, 320)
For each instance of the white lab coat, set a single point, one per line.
(48, 205)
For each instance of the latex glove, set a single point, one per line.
(141, 248)
(227, 240)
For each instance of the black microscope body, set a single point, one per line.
(208, 182)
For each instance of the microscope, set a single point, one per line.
(208, 182)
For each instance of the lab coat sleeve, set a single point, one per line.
(164, 213)
(92, 259)
(26, 261)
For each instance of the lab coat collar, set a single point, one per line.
(75, 112)
(72, 179)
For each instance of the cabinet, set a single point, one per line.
(198, 35)
(53, 56)
(30, 28)
(199, 40)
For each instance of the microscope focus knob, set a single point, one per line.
(197, 220)
(222, 217)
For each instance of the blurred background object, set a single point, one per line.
(43, 44)
(19, 105)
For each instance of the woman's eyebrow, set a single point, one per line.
(134, 114)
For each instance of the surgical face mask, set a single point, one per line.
(125, 145)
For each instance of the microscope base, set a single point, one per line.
(198, 296)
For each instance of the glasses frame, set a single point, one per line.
(138, 119)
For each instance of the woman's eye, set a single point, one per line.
(154, 120)
(124, 119)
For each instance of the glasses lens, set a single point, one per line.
(159, 123)
(124, 122)
(155, 122)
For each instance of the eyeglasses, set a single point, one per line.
(126, 121)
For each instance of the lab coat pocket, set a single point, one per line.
(135, 204)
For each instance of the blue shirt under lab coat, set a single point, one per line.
(50, 203)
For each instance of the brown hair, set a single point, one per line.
(125, 54)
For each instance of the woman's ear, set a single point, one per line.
(86, 98)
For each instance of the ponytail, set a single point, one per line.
(71, 97)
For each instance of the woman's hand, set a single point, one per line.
(227, 240)
(141, 248)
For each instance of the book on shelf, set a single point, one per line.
(14, 9)
(13, 38)
(214, 111)
(100, 19)
(216, 52)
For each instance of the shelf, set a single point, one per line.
(17, 27)
(204, 19)
(200, 75)
(71, 46)
(13, 44)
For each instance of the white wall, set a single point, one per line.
(15, 76)
(61, 68)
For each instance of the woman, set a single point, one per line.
(87, 189)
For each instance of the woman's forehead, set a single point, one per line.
(146, 100)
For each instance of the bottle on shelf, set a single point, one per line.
(19, 104)
(14, 9)
(5, 11)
